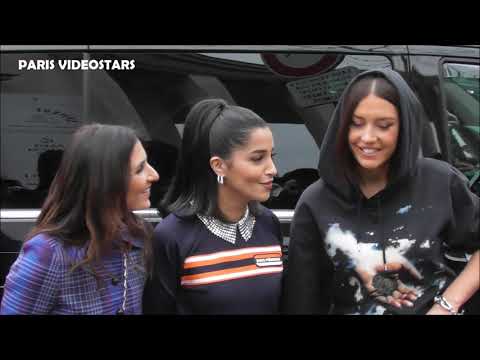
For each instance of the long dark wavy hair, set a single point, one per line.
(87, 201)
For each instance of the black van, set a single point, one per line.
(48, 91)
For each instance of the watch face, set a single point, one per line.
(385, 283)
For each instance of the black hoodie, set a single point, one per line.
(425, 209)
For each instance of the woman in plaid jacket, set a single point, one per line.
(88, 252)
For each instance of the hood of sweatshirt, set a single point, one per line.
(404, 161)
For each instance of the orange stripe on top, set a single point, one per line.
(232, 276)
(219, 272)
(231, 258)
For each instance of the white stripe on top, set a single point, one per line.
(256, 250)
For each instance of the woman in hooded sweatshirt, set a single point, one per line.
(369, 236)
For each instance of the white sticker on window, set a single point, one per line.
(321, 89)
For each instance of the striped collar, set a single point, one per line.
(228, 231)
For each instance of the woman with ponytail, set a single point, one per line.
(219, 250)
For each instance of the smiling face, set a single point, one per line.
(250, 169)
(373, 133)
(142, 175)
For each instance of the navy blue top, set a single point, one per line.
(197, 272)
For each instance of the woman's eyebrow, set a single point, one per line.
(377, 119)
(358, 116)
(258, 151)
(385, 119)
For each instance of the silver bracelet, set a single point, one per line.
(440, 300)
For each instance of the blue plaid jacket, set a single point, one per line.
(40, 281)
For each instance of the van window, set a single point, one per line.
(461, 88)
(42, 107)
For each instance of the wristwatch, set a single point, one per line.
(440, 300)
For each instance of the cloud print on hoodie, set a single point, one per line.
(337, 235)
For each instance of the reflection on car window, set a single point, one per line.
(295, 148)
(466, 76)
(461, 88)
(39, 112)
(41, 109)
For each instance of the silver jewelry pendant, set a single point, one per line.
(121, 310)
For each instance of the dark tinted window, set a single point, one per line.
(461, 88)
(42, 107)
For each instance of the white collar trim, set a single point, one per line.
(228, 231)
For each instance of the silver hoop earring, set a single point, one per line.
(220, 179)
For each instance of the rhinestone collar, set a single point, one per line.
(228, 231)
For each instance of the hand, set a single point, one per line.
(401, 296)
